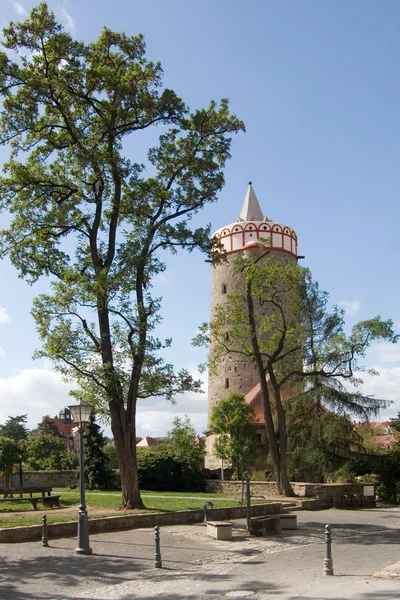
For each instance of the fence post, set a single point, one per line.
(328, 562)
(157, 554)
(45, 539)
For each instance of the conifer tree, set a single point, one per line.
(98, 474)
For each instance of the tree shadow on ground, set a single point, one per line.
(360, 533)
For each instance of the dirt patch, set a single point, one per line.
(64, 511)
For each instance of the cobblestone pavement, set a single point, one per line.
(284, 567)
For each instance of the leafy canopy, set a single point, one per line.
(232, 421)
(93, 219)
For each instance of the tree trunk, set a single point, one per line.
(125, 444)
(266, 404)
(284, 482)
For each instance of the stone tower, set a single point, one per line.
(235, 373)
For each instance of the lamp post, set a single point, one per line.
(81, 414)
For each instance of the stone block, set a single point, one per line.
(288, 521)
(262, 526)
(220, 530)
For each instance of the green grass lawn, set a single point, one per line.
(111, 500)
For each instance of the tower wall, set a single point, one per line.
(234, 373)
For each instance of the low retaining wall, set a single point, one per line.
(258, 488)
(328, 494)
(119, 523)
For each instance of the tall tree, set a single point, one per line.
(183, 439)
(47, 425)
(12, 451)
(47, 452)
(89, 217)
(14, 428)
(280, 320)
(232, 421)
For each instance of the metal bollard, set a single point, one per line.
(45, 539)
(328, 562)
(157, 554)
(208, 506)
(246, 479)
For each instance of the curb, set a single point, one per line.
(106, 524)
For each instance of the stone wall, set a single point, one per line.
(120, 523)
(258, 488)
(45, 478)
(328, 494)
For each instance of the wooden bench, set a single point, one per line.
(220, 530)
(26, 495)
(21, 491)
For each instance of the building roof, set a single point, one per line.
(64, 428)
(146, 442)
(251, 210)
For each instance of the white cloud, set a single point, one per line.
(4, 316)
(41, 391)
(69, 21)
(20, 8)
(385, 386)
(2, 351)
(35, 392)
(386, 353)
(350, 306)
(157, 423)
(155, 415)
(163, 276)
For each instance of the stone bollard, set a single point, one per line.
(208, 506)
(157, 554)
(328, 562)
(45, 539)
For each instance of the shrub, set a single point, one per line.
(159, 469)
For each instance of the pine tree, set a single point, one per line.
(98, 474)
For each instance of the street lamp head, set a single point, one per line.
(81, 412)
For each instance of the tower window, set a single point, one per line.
(227, 337)
(226, 383)
(224, 288)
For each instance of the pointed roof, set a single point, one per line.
(146, 442)
(251, 210)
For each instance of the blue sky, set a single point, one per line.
(317, 86)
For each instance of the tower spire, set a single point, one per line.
(251, 210)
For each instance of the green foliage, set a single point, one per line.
(14, 428)
(280, 319)
(90, 217)
(395, 427)
(184, 443)
(233, 420)
(111, 454)
(344, 474)
(12, 451)
(47, 452)
(47, 425)
(98, 474)
(387, 470)
(160, 469)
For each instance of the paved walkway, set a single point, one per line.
(285, 567)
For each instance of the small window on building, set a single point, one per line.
(227, 337)
(224, 288)
(226, 383)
